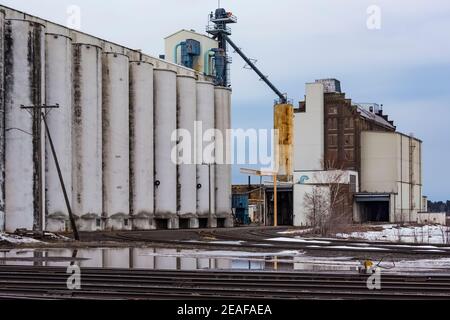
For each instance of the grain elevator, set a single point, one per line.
(115, 121)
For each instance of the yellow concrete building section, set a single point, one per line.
(284, 124)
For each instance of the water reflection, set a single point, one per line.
(171, 259)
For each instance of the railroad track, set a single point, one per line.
(20, 282)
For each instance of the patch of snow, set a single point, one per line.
(14, 239)
(300, 240)
(303, 231)
(392, 233)
(227, 242)
(423, 264)
(357, 248)
(222, 254)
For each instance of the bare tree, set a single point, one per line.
(317, 208)
(327, 205)
(444, 233)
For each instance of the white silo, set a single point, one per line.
(223, 155)
(187, 169)
(141, 145)
(2, 120)
(205, 152)
(116, 146)
(58, 91)
(165, 103)
(24, 85)
(87, 136)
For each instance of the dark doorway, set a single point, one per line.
(203, 223)
(184, 223)
(162, 224)
(376, 211)
(285, 207)
(221, 223)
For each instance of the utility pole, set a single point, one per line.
(55, 158)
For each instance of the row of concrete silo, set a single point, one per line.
(113, 134)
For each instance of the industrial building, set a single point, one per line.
(354, 146)
(111, 112)
(348, 155)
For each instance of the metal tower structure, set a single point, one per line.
(221, 32)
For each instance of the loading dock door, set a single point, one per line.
(373, 208)
(285, 207)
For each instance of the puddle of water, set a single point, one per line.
(164, 259)
(191, 260)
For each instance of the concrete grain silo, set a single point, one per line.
(87, 136)
(58, 91)
(223, 154)
(187, 172)
(165, 103)
(2, 120)
(115, 131)
(141, 145)
(24, 85)
(116, 147)
(205, 154)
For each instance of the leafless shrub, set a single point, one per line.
(444, 234)
(327, 204)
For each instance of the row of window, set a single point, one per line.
(349, 123)
(349, 140)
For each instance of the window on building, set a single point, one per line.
(332, 124)
(332, 110)
(349, 140)
(349, 123)
(302, 106)
(353, 183)
(349, 154)
(333, 140)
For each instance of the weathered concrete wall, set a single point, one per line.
(58, 91)
(223, 174)
(87, 135)
(284, 124)
(165, 91)
(141, 143)
(187, 175)
(24, 85)
(2, 120)
(205, 151)
(309, 131)
(116, 146)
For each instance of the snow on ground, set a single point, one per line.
(289, 232)
(14, 239)
(393, 233)
(228, 254)
(299, 240)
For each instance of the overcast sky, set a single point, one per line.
(405, 65)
